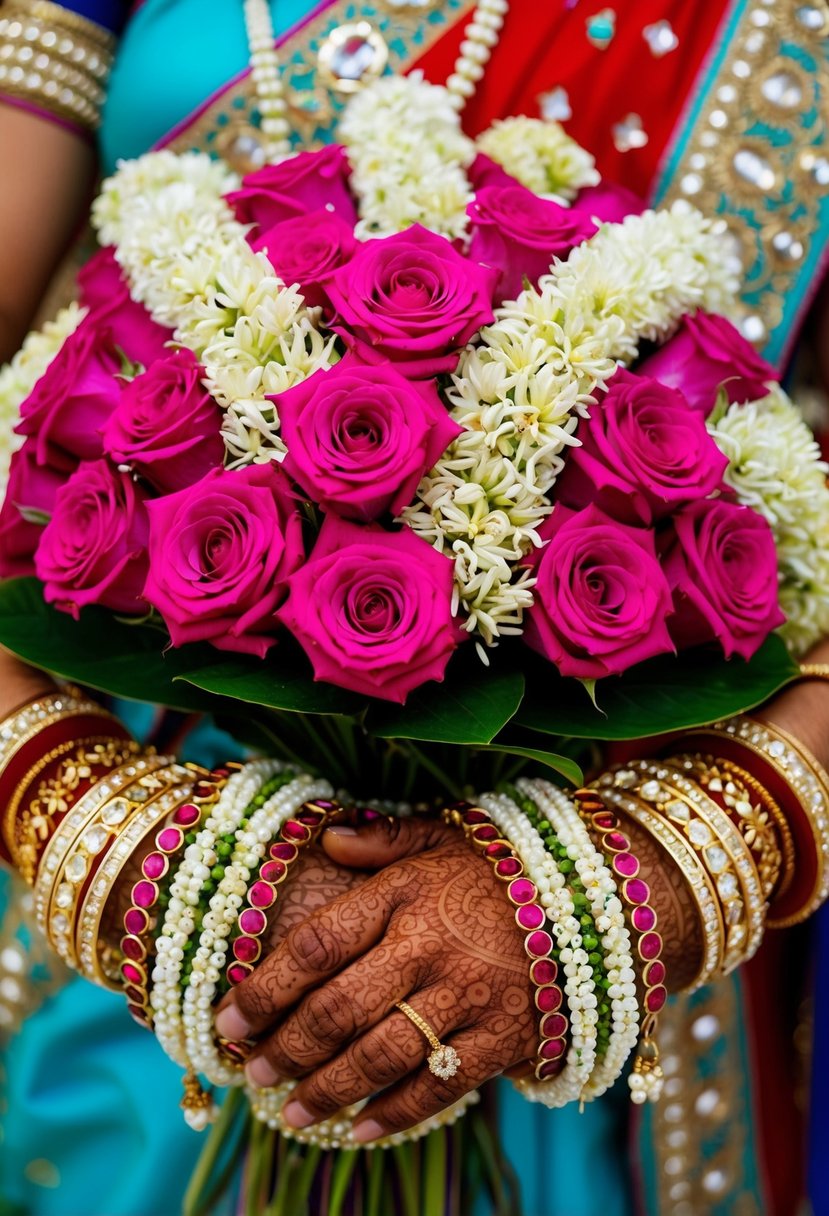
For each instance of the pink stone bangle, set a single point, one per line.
(140, 918)
(524, 896)
(635, 893)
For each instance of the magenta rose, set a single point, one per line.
(28, 505)
(307, 182)
(166, 425)
(94, 548)
(487, 172)
(707, 353)
(307, 249)
(360, 437)
(721, 564)
(73, 399)
(104, 291)
(608, 202)
(601, 599)
(220, 554)
(644, 453)
(519, 234)
(373, 610)
(412, 300)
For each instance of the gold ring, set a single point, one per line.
(443, 1061)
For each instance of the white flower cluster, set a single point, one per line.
(18, 377)
(408, 155)
(775, 467)
(187, 260)
(519, 395)
(541, 155)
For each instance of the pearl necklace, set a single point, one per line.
(480, 38)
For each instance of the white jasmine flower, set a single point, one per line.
(541, 155)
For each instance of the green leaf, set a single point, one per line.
(283, 681)
(561, 764)
(471, 707)
(654, 698)
(33, 515)
(589, 687)
(97, 650)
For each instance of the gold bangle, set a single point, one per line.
(21, 726)
(36, 822)
(72, 827)
(807, 780)
(96, 960)
(813, 671)
(681, 852)
(760, 820)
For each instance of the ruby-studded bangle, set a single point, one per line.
(523, 894)
(295, 834)
(140, 919)
(646, 1079)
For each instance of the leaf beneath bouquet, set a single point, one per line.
(472, 705)
(657, 697)
(281, 681)
(560, 764)
(97, 650)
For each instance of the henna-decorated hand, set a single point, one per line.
(434, 929)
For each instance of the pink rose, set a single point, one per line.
(360, 437)
(519, 234)
(307, 182)
(411, 299)
(644, 453)
(166, 426)
(105, 292)
(487, 172)
(608, 202)
(373, 610)
(29, 502)
(306, 249)
(706, 354)
(601, 599)
(721, 563)
(220, 554)
(94, 548)
(71, 402)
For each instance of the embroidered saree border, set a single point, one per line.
(754, 149)
(313, 107)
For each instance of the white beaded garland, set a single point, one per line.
(606, 908)
(267, 80)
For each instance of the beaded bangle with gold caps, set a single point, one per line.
(725, 854)
(753, 812)
(800, 785)
(680, 850)
(99, 803)
(54, 61)
(32, 819)
(99, 962)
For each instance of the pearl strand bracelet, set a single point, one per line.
(646, 1079)
(480, 36)
(579, 987)
(179, 920)
(600, 889)
(267, 79)
(225, 904)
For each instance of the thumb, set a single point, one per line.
(383, 841)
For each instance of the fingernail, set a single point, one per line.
(261, 1073)
(295, 1115)
(342, 829)
(370, 1129)
(231, 1025)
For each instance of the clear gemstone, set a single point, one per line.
(115, 813)
(707, 1102)
(76, 868)
(651, 791)
(716, 858)
(137, 793)
(94, 839)
(555, 105)
(678, 811)
(699, 833)
(810, 17)
(727, 885)
(705, 1027)
(782, 89)
(754, 169)
(65, 895)
(60, 923)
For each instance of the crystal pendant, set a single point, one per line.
(352, 56)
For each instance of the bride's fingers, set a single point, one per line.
(334, 1014)
(423, 1094)
(384, 1054)
(310, 953)
(383, 841)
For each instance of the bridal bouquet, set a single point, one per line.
(438, 440)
